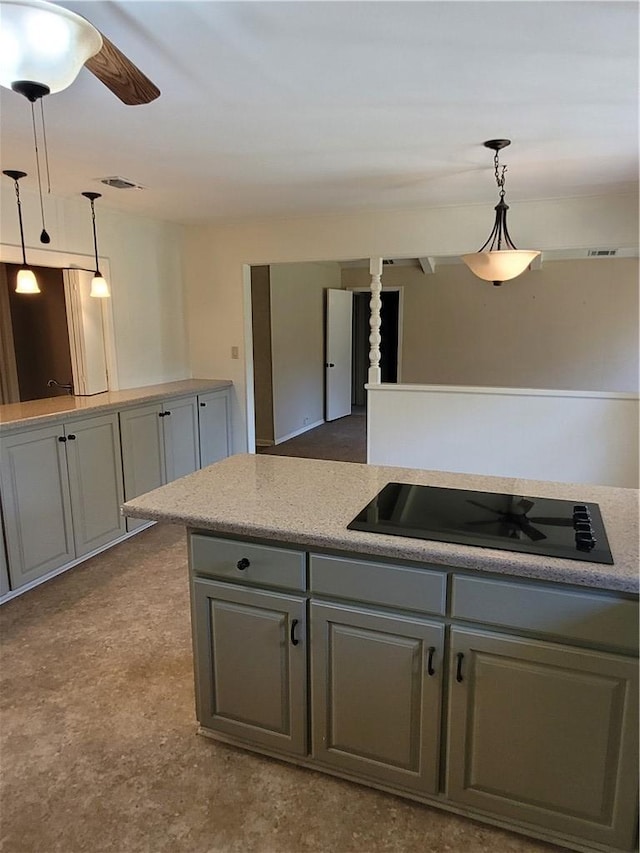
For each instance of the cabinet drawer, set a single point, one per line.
(582, 616)
(378, 583)
(259, 564)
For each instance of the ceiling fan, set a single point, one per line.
(43, 46)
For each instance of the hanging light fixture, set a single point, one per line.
(99, 286)
(499, 260)
(26, 282)
(43, 46)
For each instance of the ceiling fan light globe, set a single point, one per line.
(43, 43)
(502, 265)
(99, 288)
(27, 282)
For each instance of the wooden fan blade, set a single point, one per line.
(119, 74)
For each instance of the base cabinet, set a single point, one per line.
(214, 419)
(376, 695)
(544, 734)
(251, 660)
(523, 731)
(61, 494)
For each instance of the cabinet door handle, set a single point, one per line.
(430, 669)
(294, 642)
(243, 564)
(203, 405)
(161, 414)
(460, 658)
(71, 437)
(167, 414)
(61, 438)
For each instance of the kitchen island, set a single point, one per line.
(496, 684)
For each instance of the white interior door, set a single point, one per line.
(338, 354)
(86, 334)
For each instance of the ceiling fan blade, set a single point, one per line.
(119, 74)
(533, 534)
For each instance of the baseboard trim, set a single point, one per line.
(297, 432)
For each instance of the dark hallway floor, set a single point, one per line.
(344, 440)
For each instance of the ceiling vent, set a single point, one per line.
(601, 253)
(121, 183)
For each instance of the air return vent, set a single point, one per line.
(601, 253)
(121, 183)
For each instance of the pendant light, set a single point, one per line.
(99, 286)
(26, 282)
(499, 260)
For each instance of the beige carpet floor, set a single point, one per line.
(99, 750)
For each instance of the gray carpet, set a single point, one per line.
(99, 750)
(344, 440)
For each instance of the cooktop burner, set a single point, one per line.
(556, 528)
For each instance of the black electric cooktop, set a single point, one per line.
(556, 528)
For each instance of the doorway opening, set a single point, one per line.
(390, 315)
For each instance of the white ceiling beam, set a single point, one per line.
(428, 265)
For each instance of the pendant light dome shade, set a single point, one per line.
(498, 259)
(99, 288)
(27, 282)
(43, 43)
(501, 265)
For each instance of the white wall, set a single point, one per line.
(145, 262)
(536, 435)
(217, 288)
(571, 324)
(297, 344)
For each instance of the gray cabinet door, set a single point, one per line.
(251, 655)
(376, 684)
(95, 481)
(544, 734)
(36, 503)
(142, 450)
(181, 440)
(214, 413)
(143, 462)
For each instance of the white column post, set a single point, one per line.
(375, 269)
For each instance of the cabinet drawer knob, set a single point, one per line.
(243, 564)
(430, 669)
(460, 658)
(294, 642)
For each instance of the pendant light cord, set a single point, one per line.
(499, 175)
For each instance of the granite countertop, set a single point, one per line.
(55, 409)
(309, 502)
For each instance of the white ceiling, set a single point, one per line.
(280, 108)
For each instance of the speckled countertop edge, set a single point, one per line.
(34, 413)
(310, 502)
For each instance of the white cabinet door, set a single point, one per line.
(214, 416)
(36, 503)
(95, 481)
(181, 439)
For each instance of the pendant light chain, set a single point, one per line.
(499, 176)
(24, 257)
(95, 239)
(46, 147)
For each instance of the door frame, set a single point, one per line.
(10, 254)
(400, 290)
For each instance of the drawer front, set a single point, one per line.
(582, 616)
(230, 560)
(377, 583)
